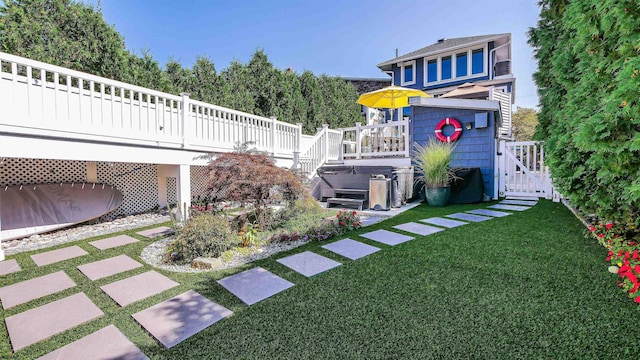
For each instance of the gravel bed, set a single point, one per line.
(154, 254)
(42, 241)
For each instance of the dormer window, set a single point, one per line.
(477, 61)
(408, 73)
(455, 66)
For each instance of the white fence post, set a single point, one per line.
(325, 152)
(358, 144)
(273, 135)
(298, 146)
(501, 168)
(184, 116)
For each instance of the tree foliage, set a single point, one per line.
(251, 179)
(524, 121)
(588, 56)
(74, 35)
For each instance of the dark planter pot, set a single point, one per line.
(438, 196)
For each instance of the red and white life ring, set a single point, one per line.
(456, 132)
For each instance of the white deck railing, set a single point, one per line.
(324, 146)
(39, 99)
(376, 141)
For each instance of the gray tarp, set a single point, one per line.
(32, 209)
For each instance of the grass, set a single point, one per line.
(529, 285)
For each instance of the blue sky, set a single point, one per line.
(333, 37)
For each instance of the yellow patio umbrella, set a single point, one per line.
(390, 97)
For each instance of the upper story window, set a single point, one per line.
(455, 66)
(477, 61)
(432, 70)
(446, 68)
(408, 73)
(461, 64)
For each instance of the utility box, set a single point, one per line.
(380, 193)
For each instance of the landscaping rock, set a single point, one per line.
(206, 263)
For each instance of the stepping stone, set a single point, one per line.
(308, 263)
(529, 198)
(448, 223)
(419, 229)
(55, 256)
(106, 343)
(509, 207)
(488, 212)
(107, 267)
(32, 326)
(518, 202)
(112, 242)
(155, 232)
(28, 290)
(254, 285)
(351, 249)
(138, 287)
(469, 217)
(9, 266)
(387, 237)
(180, 317)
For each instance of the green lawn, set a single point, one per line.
(529, 285)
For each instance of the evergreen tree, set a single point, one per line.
(588, 62)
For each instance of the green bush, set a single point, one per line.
(589, 81)
(204, 235)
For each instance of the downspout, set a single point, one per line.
(491, 57)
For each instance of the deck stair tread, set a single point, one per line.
(346, 201)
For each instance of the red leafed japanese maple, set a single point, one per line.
(251, 179)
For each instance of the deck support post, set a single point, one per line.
(183, 190)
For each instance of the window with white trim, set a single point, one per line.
(457, 65)
(408, 73)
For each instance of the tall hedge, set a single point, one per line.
(588, 78)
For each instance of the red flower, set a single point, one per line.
(635, 288)
(342, 223)
(609, 226)
(592, 228)
(601, 236)
(637, 299)
(635, 254)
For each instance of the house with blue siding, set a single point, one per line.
(439, 68)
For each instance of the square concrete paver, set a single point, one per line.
(155, 232)
(55, 256)
(509, 207)
(518, 202)
(138, 287)
(112, 242)
(526, 198)
(105, 344)
(37, 324)
(469, 217)
(351, 249)
(420, 229)
(308, 263)
(448, 223)
(107, 267)
(25, 291)
(386, 237)
(254, 285)
(180, 317)
(487, 212)
(9, 266)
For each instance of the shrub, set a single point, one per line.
(433, 162)
(251, 179)
(624, 257)
(204, 235)
(347, 221)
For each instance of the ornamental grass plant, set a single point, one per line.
(433, 162)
